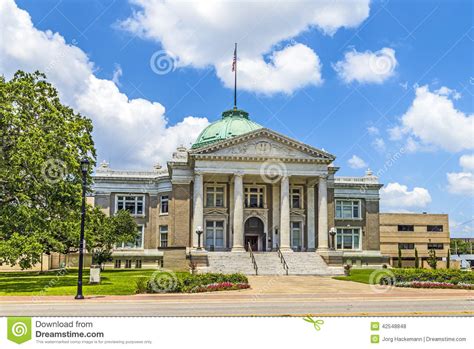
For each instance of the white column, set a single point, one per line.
(198, 210)
(285, 214)
(238, 229)
(322, 215)
(275, 215)
(311, 217)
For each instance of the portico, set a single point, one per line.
(264, 189)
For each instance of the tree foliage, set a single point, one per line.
(41, 144)
(102, 233)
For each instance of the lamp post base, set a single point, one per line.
(79, 296)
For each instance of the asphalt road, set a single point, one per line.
(292, 305)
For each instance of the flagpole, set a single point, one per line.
(235, 77)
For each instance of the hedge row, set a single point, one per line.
(436, 275)
(184, 282)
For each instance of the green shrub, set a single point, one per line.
(432, 260)
(439, 275)
(141, 285)
(183, 282)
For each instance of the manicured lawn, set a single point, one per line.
(357, 275)
(114, 282)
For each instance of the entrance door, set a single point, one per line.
(253, 232)
(253, 240)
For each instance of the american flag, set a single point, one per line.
(234, 62)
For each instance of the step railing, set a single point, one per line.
(282, 260)
(252, 257)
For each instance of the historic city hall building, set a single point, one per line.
(244, 187)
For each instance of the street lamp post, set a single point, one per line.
(84, 170)
(199, 232)
(332, 233)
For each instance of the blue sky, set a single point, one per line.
(387, 84)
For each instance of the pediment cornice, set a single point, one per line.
(262, 144)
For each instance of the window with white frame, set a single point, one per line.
(348, 239)
(214, 234)
(164, 201)
(163, 236)
(137, 242)
(254, 197)
(296, 235)
(296, 197)
(215, 196)
(348, 209)
(132, 203)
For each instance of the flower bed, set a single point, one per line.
(434, 284)
(437, 275)
(169, 282)
(222, 286)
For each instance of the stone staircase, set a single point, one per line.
(269, 263)
(299, 263)
(229, 262)
(309, 263)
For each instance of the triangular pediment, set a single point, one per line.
(263, 144)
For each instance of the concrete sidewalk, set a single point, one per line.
(277, 287)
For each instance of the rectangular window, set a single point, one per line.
(296, 199)
(254, 197)
(436, 228)
(164, 200)
(128, 263)
(163, 236)
(215, 196)
(296, 231)
(138, 264)
(348, 239)
(132, 203)
(118, 264)
(347, 209)
(137, 243)
(406, 246)
(405, 227)
(214, 234)
(435, 246)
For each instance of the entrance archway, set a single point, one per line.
(254, 234)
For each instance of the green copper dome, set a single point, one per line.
(234, 123)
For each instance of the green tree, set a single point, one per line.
(448, 259)
(432, 260)
(42, 143)
(460, 246)
(417, 260)
(399, 263)
(103, 233)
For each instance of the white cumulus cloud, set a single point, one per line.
(367, 67)
(467, 162)
(121, 125)
(201, 33)
(356, 162)
(398, 196)
(462, 182)
(432, 120)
